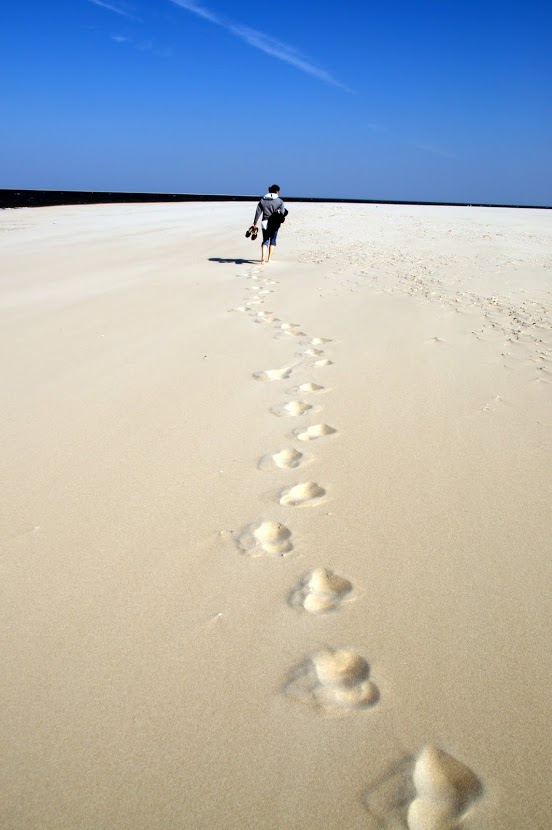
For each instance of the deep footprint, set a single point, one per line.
(265, 538)
(445, 790)
(314, 432)
(294, 333)
(285, 459)
(310, 387)
(319, 364)
(430, 791)
(320, 592)
(333, 679)
(308, 492)
(273, 374)
(291, 409)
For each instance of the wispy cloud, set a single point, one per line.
(110, 7)
(265, 43)
(201, 11)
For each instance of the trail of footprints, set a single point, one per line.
(428, 791)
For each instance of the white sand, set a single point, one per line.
(159, 669)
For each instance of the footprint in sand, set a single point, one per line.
(273, 374)
(294, 333)
(445, 790)
(313, 432)
(306, 493)
(333, 679)
(430, 791)
(289, 330)
(307, 387)
(313, 352)
(319, 341)
(319, 364)
(265, 538)
(291, 409)
(285, 459)
(319, 592)
(311, 387)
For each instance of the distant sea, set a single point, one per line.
(45, 198)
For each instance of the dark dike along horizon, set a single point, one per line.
(48, 198)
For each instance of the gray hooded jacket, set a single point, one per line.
(268, 205)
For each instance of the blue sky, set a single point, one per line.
(429, 100)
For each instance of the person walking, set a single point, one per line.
(273, 213)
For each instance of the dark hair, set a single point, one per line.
(274, 188)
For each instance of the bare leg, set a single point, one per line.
(270, 247)
(262, 254)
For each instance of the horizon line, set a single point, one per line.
(27, 198)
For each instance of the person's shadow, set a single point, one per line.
(233, 261)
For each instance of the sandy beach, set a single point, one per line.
(276, 540)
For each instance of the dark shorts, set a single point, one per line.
(269, 236)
